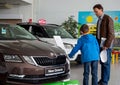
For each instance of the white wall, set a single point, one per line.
(28, 1)
(56, 11)
(24, 12)
(27, 12)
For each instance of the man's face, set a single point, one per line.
(98, 12)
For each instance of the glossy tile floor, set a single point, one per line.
(77, 73)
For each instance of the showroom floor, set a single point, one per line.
(77, 73)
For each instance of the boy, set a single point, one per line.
(89, 47)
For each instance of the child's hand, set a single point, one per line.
(70, 56)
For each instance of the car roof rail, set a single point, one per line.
(54, 24)
(27, 23)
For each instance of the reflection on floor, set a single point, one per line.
(77, 73)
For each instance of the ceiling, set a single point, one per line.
(5, 4)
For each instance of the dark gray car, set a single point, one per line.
(30, 60)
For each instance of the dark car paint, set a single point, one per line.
(28, 47)
(3, 71)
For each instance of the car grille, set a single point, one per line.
(45, 61)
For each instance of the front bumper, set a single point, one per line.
(26, 73)
(35, 79)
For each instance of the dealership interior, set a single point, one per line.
(34, 45)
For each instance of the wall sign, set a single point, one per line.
(88, 17)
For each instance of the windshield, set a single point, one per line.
(13, 32)
(56, 30)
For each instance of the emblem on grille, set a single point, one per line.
(53, 55)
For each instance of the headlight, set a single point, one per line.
(68, 46)
(30, 60)
(68, 61)
(12, 58)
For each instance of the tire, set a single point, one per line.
(78, 59)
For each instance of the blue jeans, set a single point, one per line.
(94, 72)
(105, 69)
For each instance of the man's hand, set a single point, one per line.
(104, 48)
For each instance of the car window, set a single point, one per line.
(36, 30)
(25, 26)
(56, 30)
(14, 32)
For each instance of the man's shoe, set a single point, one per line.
(99, 82)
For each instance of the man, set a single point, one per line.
(105, 30)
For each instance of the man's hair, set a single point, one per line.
(99, 6)
(84, 28)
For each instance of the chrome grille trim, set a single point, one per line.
(46, 61)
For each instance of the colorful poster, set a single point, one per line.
(88, 17)
(85, 17)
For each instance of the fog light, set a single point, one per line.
(17, 76)
(66, 80)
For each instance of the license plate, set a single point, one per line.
(54, 71)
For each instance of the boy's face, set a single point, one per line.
(81, 33)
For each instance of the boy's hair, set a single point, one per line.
(84, 28)
(99, 6)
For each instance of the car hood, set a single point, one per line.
(28, 47)
(69, 41)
